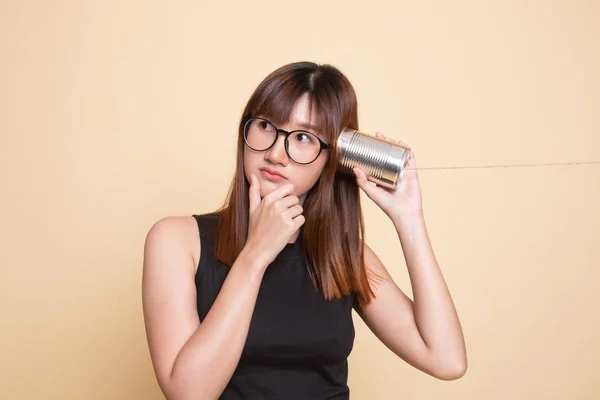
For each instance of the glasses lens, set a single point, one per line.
(303, 147)
(259, 134)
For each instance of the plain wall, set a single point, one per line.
(114, 114)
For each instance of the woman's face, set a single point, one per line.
(275, 159)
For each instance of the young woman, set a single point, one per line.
(255, 300)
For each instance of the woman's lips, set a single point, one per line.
(272, 175)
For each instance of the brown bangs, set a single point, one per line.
(330, 99)
(276, 101)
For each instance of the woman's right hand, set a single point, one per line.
(273, 220)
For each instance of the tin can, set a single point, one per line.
(383, 161)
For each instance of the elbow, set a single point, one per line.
(173, 389)
(181, 387)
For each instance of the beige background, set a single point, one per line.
(114, 114)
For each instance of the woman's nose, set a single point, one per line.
(277, 153)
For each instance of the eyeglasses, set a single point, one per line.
(301, 146)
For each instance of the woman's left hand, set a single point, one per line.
(406, 198)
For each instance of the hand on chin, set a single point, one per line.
(267, 186)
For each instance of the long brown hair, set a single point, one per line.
(334, 229)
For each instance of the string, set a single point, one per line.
(505, 166)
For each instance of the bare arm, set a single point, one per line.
(426, 333)
(193, 360)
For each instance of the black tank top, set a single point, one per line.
(298, 342)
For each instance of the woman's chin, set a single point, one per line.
(266, 187)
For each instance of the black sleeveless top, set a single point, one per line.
(298, 342)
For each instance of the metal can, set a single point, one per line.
(383, 161)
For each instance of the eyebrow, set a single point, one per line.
(307, 126)
(302, 124)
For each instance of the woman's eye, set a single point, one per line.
(303, 137)
(265, 126)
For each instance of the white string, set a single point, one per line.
(505, 166)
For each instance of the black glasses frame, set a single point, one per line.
(324, 146)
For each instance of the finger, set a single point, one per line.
(368, 187)
(383, 137)
(411, 162)
(299, 221)
(254, 193)
(294, 211)
(280, 192)
(289, 201)
(403, 144)
(380, 136)
(400, 142)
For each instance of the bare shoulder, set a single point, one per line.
(173, 227)
(173, 234)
